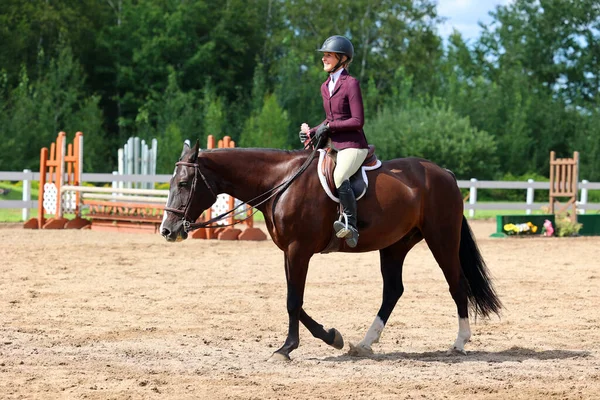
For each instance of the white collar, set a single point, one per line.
(336, 75)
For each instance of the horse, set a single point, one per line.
(408, 200)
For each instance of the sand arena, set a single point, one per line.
(90, 315)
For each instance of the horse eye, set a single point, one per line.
(182, 184)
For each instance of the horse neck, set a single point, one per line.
(248, 173)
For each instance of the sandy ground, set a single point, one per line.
(90, 315)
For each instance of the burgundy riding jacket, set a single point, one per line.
(344, 112)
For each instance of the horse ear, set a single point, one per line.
(186, 148)
(195, 151)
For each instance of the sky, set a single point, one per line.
(464, 15)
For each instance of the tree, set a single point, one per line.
(171, 117)
(386, 34)
(214, 122)
(556, 43)
(36, 111)
(269, 128)
(436, 133)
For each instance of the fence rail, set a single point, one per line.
(472, 205)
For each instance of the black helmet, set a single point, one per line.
(338, 44)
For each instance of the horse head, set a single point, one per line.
(190, 193)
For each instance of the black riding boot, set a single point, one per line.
(342, 229)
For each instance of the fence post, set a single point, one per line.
(584, 197)
(472, 197)
(529, 196)
(115, 183)
(26, 195)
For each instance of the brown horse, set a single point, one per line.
(408, 200)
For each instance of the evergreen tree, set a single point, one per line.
(269, 128)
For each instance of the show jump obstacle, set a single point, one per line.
(116, 209)
(563, 183)
(60, 165)
(564, 178)
(136, 157)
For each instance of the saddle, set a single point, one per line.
(358, 181)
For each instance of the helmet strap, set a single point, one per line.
(338, 65)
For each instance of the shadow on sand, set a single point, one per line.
(514, 354)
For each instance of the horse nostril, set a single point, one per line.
(165, 232)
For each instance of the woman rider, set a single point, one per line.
(343, 126)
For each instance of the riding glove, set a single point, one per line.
(321, 135)
(323, 130)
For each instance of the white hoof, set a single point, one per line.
(459, 351)
(360, 350)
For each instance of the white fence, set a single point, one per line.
(472, 205)
(137, 158)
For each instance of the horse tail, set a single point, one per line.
(480, 291)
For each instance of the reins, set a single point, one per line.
(189, 226)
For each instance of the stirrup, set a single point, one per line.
(345, 231)
(342, 230)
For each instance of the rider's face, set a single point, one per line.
(330, 60)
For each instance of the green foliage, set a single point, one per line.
(269, 128)
(36, 111)
(299, 94)
(593, 196)
(435, 133)
(214, 115)
(185, 69)
(516, 195)
(566, 227)
(171, 117)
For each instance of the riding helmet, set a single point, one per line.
(338, 44)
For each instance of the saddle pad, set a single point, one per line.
(361, 173)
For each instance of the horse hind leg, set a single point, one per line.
(391, 260)
(444, 244)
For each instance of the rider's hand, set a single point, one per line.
(304, 130)
(322, 131)
(321, 136)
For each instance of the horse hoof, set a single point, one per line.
(360, 350)
(278, 357)
(338, 340)
(456, 350)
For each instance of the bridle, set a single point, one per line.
(190, 226)
(184, 214)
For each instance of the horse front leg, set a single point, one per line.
(331, 337)
(296, 268)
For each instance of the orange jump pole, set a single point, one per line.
(74, 163)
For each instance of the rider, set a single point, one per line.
(343, 126)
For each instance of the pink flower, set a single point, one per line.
(548, 228)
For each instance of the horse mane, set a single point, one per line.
(255, 149)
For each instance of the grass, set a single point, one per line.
(10, 191)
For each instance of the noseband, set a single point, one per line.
(184, 213)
